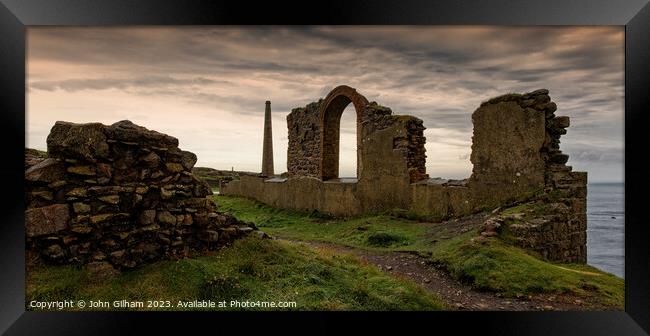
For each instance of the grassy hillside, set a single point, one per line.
(214, 176)
(489, 264)
(252, 269)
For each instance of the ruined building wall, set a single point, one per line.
(304, 132)
(408, 140)
(391, 155)
(516, 158)
(119, 195)
(509, 134)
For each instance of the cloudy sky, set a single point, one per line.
(207, 85)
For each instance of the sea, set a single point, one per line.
(606, 227)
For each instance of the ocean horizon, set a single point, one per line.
(606, 227)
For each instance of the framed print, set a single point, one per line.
(381, 165)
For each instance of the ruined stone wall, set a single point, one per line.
(303, 152)
(517, 157)
(440, 200)
(119, 195)
(391, 155)
(509, 132)
(300, 193)
(409, 141)
(306, 129)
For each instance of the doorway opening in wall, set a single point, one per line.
(348, 145)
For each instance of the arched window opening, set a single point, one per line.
(348, 144)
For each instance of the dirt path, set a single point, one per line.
(458, 296)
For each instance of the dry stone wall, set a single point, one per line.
(119, 195)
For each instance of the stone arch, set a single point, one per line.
(329, 114)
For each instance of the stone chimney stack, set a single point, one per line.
(267, 151)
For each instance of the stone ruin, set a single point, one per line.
(119, 196)
(515, 153)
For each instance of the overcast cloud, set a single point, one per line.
(207, 85)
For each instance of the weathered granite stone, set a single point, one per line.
(82, 170)
(147, 217)
(104, 170)
(54, 253)
(111, 199)
(209, 236)
(166, 194)
(174, 167)
(165, 217)
(44, 195)
(151, 160)
(188, 159)
(77, 141)
(46, 220)
(126, 131)
(80, 207)
(560, 122)
(81, 229)
(101, 218)
(48, 171)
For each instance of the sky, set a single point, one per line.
(207, 86)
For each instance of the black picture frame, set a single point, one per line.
(15, 15)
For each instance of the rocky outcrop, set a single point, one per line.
(120, 195)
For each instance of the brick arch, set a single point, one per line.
(329, 114)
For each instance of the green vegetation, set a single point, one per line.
(36, 152)
(528, 210)
(315, 226)
(212, 180)
(496, 266)
(251, 269)
(384, 239)
(489, 264)
(326, 279)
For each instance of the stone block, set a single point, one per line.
(82, 170)
(165, 217)
(78, 141)
(48, 171)
(46, 220)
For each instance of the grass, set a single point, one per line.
(493, 265)
(496, 266)
(362, 231)
(252, 269)
(527, 210)
(36, 152)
